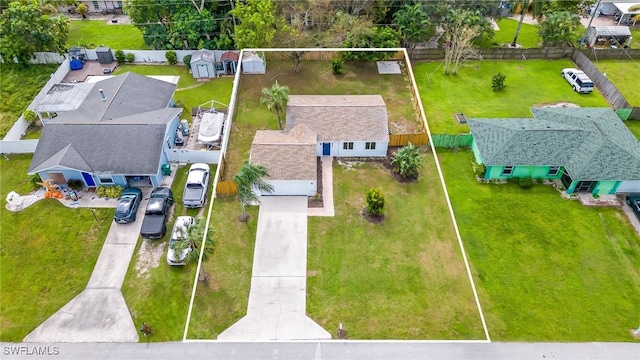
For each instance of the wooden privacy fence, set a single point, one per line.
(404, 139)
(603, 84)
(534, 53)
(226, 187)
(451, 141)
(325, 55)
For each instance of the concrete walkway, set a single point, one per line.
(277, 300)
(99, 313)
(327, 190)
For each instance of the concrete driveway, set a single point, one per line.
(99, 313)
(277, 300)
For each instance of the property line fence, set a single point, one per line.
(451, 141)
(404, 139)
(603, 84)
(533, 53)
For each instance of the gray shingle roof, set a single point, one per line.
(131, 149)
(287, 155)
(126, 95)
(591, 143)
(203, 55)
(340, 117)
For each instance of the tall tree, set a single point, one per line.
(459, 31)
(413, 24)
(276, 98)
(559, 28)
(248, 180)
(258, 23)
(24, 29)
(523, 11)
(635, 18)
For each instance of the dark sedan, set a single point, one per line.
(633, 200)
(128, 205)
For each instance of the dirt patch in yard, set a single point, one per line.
(149, 256)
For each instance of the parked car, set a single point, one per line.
(128, 205)
(154, 225)
(633, 200)
(179, 234)
(195, 190)
(578, 80)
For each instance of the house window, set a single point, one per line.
(96, 6)
(370, 146)
(105, 179)
(507, 170)
(553, 170)
(347, 146)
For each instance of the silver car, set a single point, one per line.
(179, 246)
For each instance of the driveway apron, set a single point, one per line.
(277, 300)
(99, 313)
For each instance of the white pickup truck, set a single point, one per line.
(195, 190)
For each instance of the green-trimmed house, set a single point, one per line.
(589, 149)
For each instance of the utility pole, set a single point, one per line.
(595, 11)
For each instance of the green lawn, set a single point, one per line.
(547, 269)
(47, 253)
(530, 82)
(635, 34)
(634, 126)
(189, 92)
(528, 36)
(18, 86)
(402, 279)
(94, 33)
(625, 75)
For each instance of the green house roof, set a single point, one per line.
(591, 143)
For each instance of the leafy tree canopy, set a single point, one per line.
(559, 27)
(258, 24)
(24, 29)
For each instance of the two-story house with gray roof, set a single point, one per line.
(113, 132)
(589, 149)
(320, 125)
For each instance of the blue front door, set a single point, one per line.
(326, 148)
(88, 179)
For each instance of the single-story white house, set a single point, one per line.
(320, 125)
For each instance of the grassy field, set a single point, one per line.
(189, 92)
(529, 83)
(94, 33)
(18, 86)
(315, 79)
(635, 34)
(47, 253)
(625, 75)
(402, 279)
(634, 126)
(528, 36)
(547, 269)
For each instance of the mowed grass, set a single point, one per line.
(547, 269)
(634, 126)
(223, 300)
(528, 36)
(402, 279)
(160, 296)
(189, 91)
(316, 78)
(528, 83)
(635, 34)
(625, 75)
(47, 253)
(95, 33)
(18, 86)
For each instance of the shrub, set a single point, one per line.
(407, 161)
(109, 191)
(187, 60)
(83, 10)
(120, 56)
(513, 180)
(34, 180)
(497, 82)
(375, 202)
(480, 170)
(75, 184)
(29, 116)
(129, 57)
(172, 57)
(337, 65)
(526, 182)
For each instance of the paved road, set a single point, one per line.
(355, 350)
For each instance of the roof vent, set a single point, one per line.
(102, 95)
(522, 127)
(588, 116)
(548, 127)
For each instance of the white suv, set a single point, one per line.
(578, 80)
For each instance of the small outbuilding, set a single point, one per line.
(228, 63)
(608, 36)
(104, 54)
(203, 64)
(252, 63)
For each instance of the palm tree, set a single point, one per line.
(250, 178)
(192, 238)
(523, 11)
(636, 17)
(413, 24)
(276, 98)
